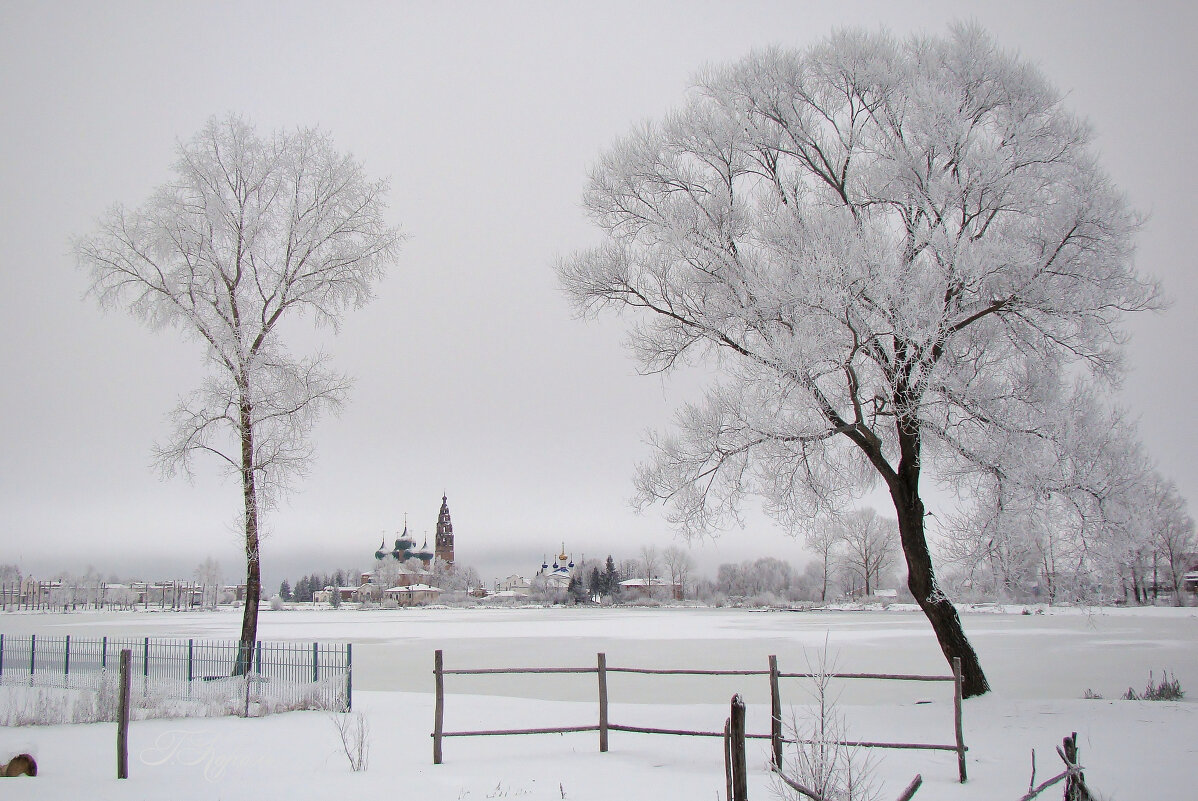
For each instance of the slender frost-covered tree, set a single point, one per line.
(893, 252)
(251, 231)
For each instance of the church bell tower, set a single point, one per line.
(444, 533)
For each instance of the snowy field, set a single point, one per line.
(1040, 665)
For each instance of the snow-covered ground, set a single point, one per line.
(1039, 664)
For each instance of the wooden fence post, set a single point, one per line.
(1075, 783)
(603, 703)
(122, 721)
(957, 687)
(740, 772)
(439, 711)
(775, 712)
(728, 757)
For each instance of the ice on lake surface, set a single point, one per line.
(1039, 665)
(1053, 655)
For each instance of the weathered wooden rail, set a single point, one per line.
(604, 726)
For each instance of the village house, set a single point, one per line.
(513, 585)
(413, 595)
(655, 587)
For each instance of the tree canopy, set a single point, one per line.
(251, 231)
(899, 253)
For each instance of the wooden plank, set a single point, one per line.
(487, 671)
(887, 676)
(679, 732)
(503, 732)
(911, 788)
(657, 672)
(871, 744)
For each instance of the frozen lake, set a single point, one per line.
(1039, 666)
(1066, 650)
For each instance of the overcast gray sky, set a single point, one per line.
(471, 376)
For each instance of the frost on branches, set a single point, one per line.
(898, 253)
(1081, 515)
(250, 232)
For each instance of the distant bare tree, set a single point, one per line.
(208, 574)
(650, 566)
(825, 540)
(869, 545)
(1174, 539)
(249, 233)
(679, 563)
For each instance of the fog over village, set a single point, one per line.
(560, 334)
(471, 375)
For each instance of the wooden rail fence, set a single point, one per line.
(775, 736)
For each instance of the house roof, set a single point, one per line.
(656, 581)
(414, 588)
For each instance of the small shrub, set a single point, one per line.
(1168, 689)
(1090, 695)
(355, 738)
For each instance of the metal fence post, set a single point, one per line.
(103, 653)
(145, 660)
(66, 658)
(349, 677)
(315, 663)
(32, 653)
(1, 655)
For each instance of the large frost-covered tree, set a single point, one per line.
(893, 251)
(250, 232)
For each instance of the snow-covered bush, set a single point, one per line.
(819, 760)
(354, 731)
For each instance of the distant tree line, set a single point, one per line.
(307, 586)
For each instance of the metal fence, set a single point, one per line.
(281, 675)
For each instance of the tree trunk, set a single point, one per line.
(921, 577)
(253, 576)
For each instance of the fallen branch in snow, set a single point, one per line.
(1075, 787)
